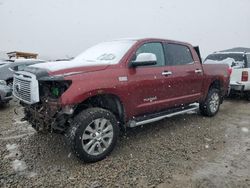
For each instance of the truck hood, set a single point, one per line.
(63, 68)
(67, 67)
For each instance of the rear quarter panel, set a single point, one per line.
(214, 72)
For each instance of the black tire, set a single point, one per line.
(79, 128)
(248, 95)
(206, 108)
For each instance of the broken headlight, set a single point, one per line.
(53, 89)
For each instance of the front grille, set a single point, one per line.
(22, 89)
(25, 87)
(10, 84)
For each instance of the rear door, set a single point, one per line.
(187, 74)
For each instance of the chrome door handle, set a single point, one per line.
(198, 71)
(166, 73)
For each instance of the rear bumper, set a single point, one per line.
(240, 86)
(237, 87)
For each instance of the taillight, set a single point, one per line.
(244, 76)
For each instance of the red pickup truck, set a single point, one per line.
(115, 85)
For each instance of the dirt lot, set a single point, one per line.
(184, 151)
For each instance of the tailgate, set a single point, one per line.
(237, 73)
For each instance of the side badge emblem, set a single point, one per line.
(123, 78)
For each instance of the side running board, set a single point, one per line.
(162, 115)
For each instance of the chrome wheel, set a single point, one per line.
(214, 102)
(97, 136)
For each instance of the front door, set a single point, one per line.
(146, 88)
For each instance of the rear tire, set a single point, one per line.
(93, 134)
(248, 95)
(211, 105)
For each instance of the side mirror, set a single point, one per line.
(144, 59)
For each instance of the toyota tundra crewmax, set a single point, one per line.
(115, 85)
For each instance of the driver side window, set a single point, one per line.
(154, 48)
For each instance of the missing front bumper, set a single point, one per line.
(46, 117)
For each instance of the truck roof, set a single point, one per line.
(237, 50)
(151, 38)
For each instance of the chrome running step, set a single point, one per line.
(162, 115)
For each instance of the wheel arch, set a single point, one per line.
(106, 101)
(216, 83)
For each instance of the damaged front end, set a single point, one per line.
(47, 113)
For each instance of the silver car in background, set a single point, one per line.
(7, 70)
(5, 92)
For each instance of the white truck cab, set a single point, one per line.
(239, 61)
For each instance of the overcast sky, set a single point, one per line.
(64, 28)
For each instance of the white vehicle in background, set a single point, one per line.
(239, 60)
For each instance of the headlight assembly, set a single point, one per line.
(3, 82)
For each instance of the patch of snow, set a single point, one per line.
(16, 136)
(69, 155)
(13, 151)
(208, 139)
(19, 166)
(244, 129)
(32, 174)
(18, 122)
(10, 147)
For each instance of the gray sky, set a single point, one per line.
(61, 28)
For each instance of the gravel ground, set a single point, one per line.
(184, 151)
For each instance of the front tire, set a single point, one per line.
(93, 134)
(211, 105)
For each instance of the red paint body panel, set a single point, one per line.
(184, 86)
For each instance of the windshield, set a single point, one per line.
(232, 59)
(219, 57)
(105, 53)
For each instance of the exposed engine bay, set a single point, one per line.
(47, 114)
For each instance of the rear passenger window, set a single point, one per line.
(178, 54)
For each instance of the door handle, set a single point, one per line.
(166, 73)
(198, 71)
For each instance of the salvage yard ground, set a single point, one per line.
(185, 151)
